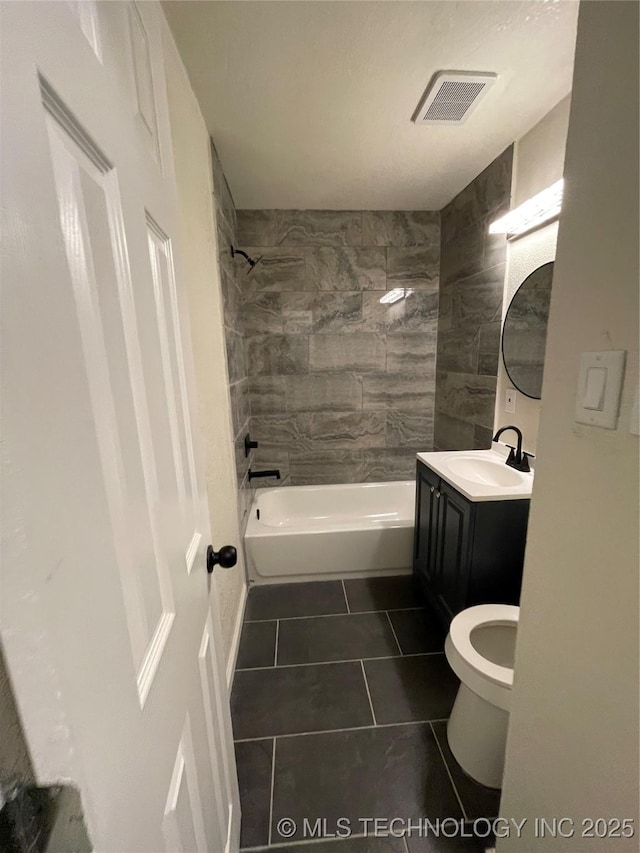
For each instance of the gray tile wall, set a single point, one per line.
(342, 387)
(230, 271)
(472, 271)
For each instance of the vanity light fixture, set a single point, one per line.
(542, 208)
(395, 295)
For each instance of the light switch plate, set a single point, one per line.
(595, 367)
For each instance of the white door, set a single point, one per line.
(107, 614)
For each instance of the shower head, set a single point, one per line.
(249, 260)
(254, 264)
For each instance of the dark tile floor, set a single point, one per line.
(339, 704)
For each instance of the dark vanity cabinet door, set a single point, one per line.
(453, 544)
(427, 484)
(466, 552)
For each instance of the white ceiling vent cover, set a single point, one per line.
(452, 96)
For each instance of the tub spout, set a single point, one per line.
(273, 473)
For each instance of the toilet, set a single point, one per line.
(480, 648)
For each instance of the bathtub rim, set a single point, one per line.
(256, 528)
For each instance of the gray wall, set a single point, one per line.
(471, 292)
(342, 386)
(230, 271)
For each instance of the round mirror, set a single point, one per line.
(524, 334)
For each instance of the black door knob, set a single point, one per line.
(226, 557)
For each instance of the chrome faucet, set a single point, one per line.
(517, 458)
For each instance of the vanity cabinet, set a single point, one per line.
(466, 552)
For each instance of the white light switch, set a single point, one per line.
(599, 388)
(595, 385)
(510, 401)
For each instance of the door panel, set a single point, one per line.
(146, 118)
(88, 201)
(86, 191)
(212, 687)
(107, 615)
(426, 523)
(452, 550)
(183, 823)
(168, 321)
(86, 13)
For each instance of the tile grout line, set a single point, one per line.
(345, 729)
(446, 766)
(366, 684)
(393, 631)
(311, 842)
(275, 650)
(329, 662)
(344, 590)
(273, 776)
(328, 615)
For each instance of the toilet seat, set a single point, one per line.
(489, 680)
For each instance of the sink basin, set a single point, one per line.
(480, 475)
(484, 471)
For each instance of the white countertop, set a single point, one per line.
(478, 486)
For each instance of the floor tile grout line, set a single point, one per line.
(311, 842)
(346, 597)
(393, 631)
(347, 729)
(326, 615)
(273, 776)
(366, 684)
(329, 662)
(275, 651)
(446, 766)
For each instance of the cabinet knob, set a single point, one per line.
(437, 494)
(432, 489)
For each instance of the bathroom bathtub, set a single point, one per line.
(325, 532)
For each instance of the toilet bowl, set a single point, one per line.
(480, 648)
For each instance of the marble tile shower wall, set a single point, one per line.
(472, 275)
(342, 386)
(230, 270)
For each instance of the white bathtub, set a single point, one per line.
(324, 532)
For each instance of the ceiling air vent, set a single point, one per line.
(452, 95)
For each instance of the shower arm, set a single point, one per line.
(249, 260)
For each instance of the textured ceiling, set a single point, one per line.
(310, 103)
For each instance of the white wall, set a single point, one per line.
(538, 163)
(194, 179)
(539, 154)
(573, 739)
